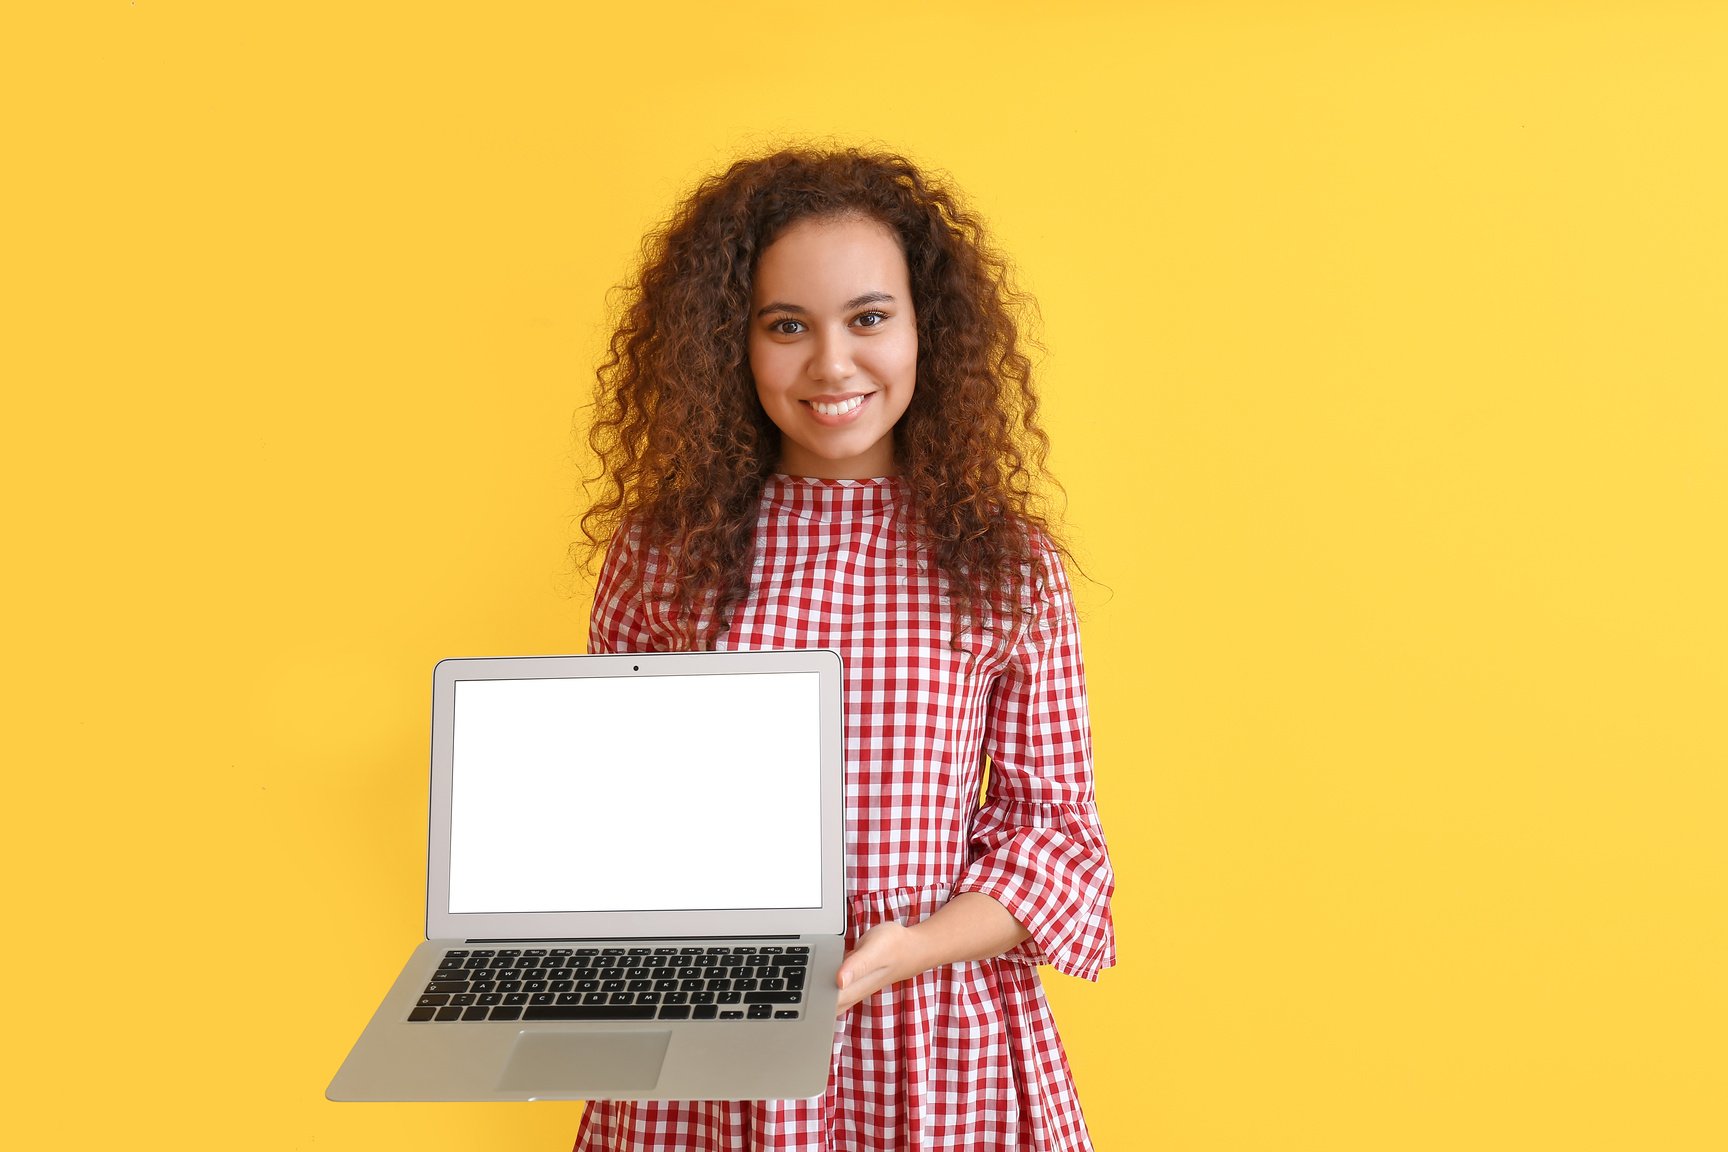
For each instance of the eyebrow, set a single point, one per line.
(855, 302)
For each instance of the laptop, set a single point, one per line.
(634, 887)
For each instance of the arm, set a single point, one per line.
(1039, 882)
(619, 623)
(1037, 845)
(971, 926)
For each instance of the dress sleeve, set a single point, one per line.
(1037, 846)
(617, 622)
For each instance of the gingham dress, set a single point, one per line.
(966, 1055)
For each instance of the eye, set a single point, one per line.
(870, 319)
(786, 327)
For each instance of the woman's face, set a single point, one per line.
(834, 346)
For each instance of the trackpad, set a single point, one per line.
(582, 1064)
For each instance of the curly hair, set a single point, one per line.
(685, 447)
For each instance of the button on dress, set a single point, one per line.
(967, 770)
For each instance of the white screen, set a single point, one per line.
(636, 793)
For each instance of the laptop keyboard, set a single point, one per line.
(720, 982)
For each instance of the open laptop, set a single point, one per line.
(634, 884)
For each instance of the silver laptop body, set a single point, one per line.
(640, 816)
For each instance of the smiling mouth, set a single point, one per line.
(839, 408)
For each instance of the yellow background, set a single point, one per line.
(1386, 376)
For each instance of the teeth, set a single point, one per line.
(837, 409)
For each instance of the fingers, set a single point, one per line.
(870, 967)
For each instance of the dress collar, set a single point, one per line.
(813, 498)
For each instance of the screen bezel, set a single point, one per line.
(828, 918)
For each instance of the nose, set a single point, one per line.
(831, 357)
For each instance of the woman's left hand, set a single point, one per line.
(884, 956)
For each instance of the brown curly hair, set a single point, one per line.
(684, 446)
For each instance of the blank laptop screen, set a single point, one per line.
(636, 793)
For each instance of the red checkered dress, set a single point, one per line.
(966, 1055)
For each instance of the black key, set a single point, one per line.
(671, 997)
(704, 1012)
(611, 951)
(689, 951)
(447, 986)
(701, 997)
(649, 997)
(800, 950)
(434, 1001)
(475, 1013)
(585, 974)
(768, 973)
(587, 952)
(569, 998)
(771, 950)
(591, 1012)
(636, 974)
(612, 986)
(611, 973)
(675, 1012)
(534, 986)
(785, 1014)
(482, 952)
(743, 972)
(595, 997)
(773, 997)
(509, 951)
(462, 999)
(621, 998)
(451, 1013)
(587, 985)
(773, 985)
(559, 974)
(483, 986)
(512, 1013)
(419, 1014)
(562, 986)
(719, 985)
(639, 986)
(510, 986)
(731, 997)
(744, 985)
(534, 952)
(455, 952)
(760, 1012)
(665, 951)
(710, 973)
(691, 985)
(491, 998)
(516, 998)
(732, 1014)
(795, 979)
(542, 998)
(666, 985)
(560, 951)
(641, 952)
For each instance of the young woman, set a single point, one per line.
(816, 429)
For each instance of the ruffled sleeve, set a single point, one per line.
(1037, 846)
